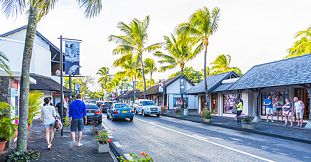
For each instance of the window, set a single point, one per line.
(230, 101)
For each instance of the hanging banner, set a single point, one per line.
(72, 58)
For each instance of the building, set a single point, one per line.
(171, 97)
(287, 78)
(215, 84)
(44, 65)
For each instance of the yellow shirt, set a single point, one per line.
(239, 106)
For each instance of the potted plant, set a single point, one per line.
(34, 106)
(207, 116)
(7, 131)
(103, 141)
(178, 112)
(247, 121)
(144, 157)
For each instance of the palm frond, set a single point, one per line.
(152, 47)
(13, 7)
(92, 7)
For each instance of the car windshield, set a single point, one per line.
(91, 106)
(148, 103)
(121, 106)
(108, 103)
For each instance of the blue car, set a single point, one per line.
(93, 113)
(120, 111)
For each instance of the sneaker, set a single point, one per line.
(272, 121)
(79, 144)
(72, 144)
(267, 120)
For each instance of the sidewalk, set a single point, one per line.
(262, 127)
(61, 150)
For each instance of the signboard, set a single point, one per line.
(77, 88)
(182, 85)
(72, 57)
(161, 87)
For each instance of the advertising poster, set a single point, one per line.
(72, 58)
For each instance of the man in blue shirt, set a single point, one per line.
(269, 108)
(77, 112)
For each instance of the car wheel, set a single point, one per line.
(112, 119)
(158, 115)
(131, 119)
(108, 116)
(143, 113)
(136, 112)
(100, 121)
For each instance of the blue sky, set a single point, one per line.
(251, 31)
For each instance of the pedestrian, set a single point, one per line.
(51, 103)
(269, 108)
(299, 109)
(278, 103)
(287, 112)
(77, 112)
(59, 109)
(239, 108)
(48, 115)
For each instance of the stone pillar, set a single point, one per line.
(220, 104)
(308, 126)
(199, 104)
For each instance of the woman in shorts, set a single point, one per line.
(287, 112)
(48, 114)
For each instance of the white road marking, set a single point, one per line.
(206, 140)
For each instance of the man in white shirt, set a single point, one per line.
(299, 109)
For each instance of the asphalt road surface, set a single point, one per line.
(168, 140)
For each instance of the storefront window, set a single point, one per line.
(177, 102)
(274, 94)
(230, 101)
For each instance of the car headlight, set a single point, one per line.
(147, 108)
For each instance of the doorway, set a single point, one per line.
(214, 103)
(302, 95)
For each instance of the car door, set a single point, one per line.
(139, 106)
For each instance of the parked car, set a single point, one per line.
(93, 113)
(106, 105)
(146, 107)
(120, 111)
(99, 103)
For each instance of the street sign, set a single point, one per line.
(161, 87)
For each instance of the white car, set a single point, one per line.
(146, 107)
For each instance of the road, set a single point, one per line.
(169, 139)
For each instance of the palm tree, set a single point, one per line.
(36, 9)
(104, 76)
(202, 24)
(301, 46)
(150, 67)
(133, 41)
(4, 63)
(222, 64)
(180, 51)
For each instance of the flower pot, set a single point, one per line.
(2, 146)
(247, 126)
(102, 148)
(207, 120)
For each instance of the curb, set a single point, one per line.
(116, 147)
(247, 130)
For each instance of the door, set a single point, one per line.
(203, 106)
(302, 95)
(214, 103)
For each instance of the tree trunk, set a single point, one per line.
(182, 93)
(143, 73)
(24, 87)
(150, 79)
(205, 77)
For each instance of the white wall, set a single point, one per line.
(13, 48)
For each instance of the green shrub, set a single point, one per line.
(16, 156)
(206, 114)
